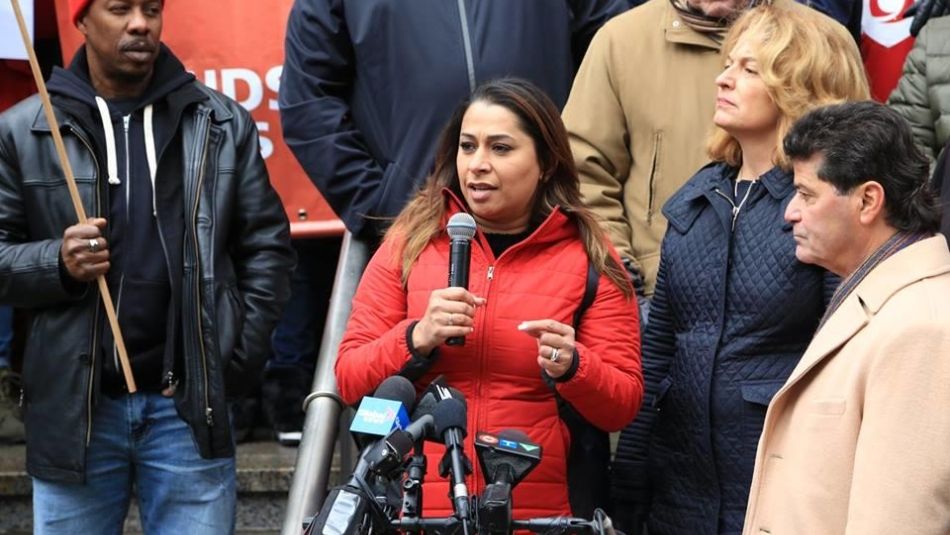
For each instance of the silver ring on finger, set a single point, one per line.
(555, 354)
(93, 245)
(451, 323)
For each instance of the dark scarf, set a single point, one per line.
(894, 244)
(714, 28)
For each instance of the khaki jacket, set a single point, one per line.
(856, 442)
(638, 117)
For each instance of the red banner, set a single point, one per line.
(237, 47)
(885, 43)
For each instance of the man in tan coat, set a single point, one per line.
(638, 116)
(856, 441)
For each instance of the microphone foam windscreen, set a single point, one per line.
(459, 396)
(461, 227)
(449, 413)
(397, 388)
(425, 405)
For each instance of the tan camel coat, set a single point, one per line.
(858, 439)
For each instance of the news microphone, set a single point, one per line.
(356, 504)
(436, 392)
(461, 229)
(505, 459)
(450, 425)
(384, 411)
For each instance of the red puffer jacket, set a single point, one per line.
(542, 277)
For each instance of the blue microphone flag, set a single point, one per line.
(378, 417)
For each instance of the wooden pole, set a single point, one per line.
(74, 193)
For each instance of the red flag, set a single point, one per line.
(885, 43)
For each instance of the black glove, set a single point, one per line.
(924, 10)
(636, 276)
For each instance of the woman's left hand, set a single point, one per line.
(555, 345)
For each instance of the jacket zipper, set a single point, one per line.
(128, 216)
(170, 381)
(209, 412)
(467, 43)
(735, 209)
(490, 276)
(95, 316)
(128, 179)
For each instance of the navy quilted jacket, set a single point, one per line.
(732, 314)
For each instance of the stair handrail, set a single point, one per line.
(323, 406)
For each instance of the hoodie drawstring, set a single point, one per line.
(150, 152)
(112, 160)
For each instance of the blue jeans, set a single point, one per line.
(139, 441)
(6, 336)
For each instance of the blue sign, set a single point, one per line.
(510, 444)
(379, 417)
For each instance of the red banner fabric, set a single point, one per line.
(237, 47)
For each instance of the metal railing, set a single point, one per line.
(324, 405)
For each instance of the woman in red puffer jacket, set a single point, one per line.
(504, 158)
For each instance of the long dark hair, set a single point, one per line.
(539, 118)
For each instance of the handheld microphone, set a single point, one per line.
(461, 229)
(450, 425)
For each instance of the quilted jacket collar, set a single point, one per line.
(686, 204)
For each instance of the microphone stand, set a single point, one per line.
(412, 485)
(456, 464)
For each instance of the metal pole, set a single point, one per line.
(323, 406)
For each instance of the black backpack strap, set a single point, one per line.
(590, 292)
(588, 476)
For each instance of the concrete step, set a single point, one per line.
(264, 474)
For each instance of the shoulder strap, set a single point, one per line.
(590, 292)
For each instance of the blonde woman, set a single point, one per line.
(733, 310)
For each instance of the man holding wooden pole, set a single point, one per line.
(192, 244)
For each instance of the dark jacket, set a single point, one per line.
(922, 95)
(367, 85)
(732, 314)
(941, 184)
(234, 255)
(139, 272)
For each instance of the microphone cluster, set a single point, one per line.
(384, 492)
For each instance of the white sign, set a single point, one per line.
(11, 41)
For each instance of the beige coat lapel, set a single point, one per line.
(928, 260)
(840, 327)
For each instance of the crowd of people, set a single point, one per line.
(692, 228)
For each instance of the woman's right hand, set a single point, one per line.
(451, 312)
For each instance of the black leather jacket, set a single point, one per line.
(235, 262)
